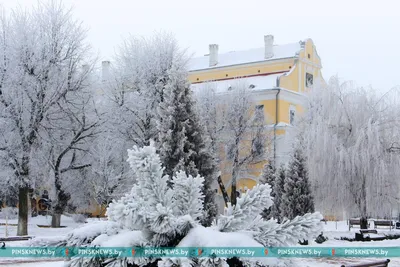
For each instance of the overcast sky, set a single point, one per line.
(356, 39)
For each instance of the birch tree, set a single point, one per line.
(41, 53)
(352, 148)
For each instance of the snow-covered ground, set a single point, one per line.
(35, 264)
(340, 229)
(34, 230)
(332, 230)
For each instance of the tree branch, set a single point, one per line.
(75, 167)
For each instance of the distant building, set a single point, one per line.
(278, 75)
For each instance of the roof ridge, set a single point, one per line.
(246, 50)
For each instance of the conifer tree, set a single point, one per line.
(268, 177)
(297, 199)
(154, 214)
(278, 188)
(183, 144)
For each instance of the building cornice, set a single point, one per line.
(254, 63)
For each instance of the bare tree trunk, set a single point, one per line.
(363, 205)
(56, 220)
(223, 190)
(233, 187)
(23, 210)
(61, 202)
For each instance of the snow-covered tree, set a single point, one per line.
(41, 53)
(163, 212)
(279, 190)
(352, 152)
(182, 140)
(268, 176)
(71, 129)
(297, 199)
(107, 177)
(207, 103)
(235, 122)
(131, 89)
(137, 83)
(154, 214)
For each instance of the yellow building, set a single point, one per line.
(278, 76)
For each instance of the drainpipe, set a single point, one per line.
(276, 118)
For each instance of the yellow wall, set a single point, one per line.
(242, 184)
(294, 81)
(307, 61)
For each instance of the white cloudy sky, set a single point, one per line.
(356, 39)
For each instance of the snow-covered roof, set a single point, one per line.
(255, 83)
(246, 56)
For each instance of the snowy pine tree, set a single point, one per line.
(155, 215)
(279, 189)
(268, 177)
(183, 142)
(162, 212)
(297, 199)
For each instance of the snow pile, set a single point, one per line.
(85, 235)
(207, 237)
(48, 241)
(125, 238)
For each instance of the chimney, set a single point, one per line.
(105, 70)
(213, 54)
(269, 43)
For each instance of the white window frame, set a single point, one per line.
(306, 83)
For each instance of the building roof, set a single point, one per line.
(255, 83)
(246, 56)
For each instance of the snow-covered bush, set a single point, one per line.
(156, 214)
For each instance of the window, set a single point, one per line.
(309, 56)
(292, 115)
(309, 79)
